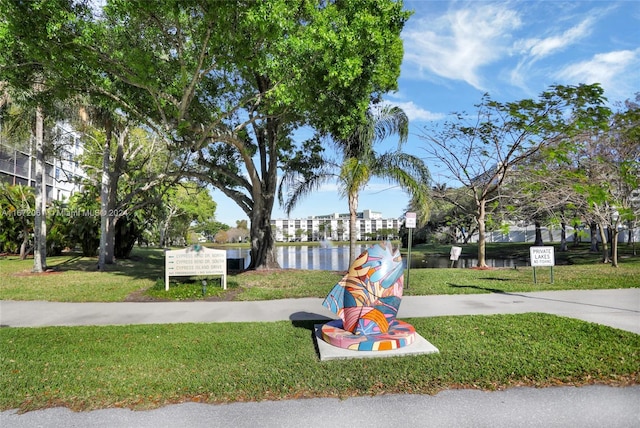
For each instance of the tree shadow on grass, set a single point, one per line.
(74, 262)
(477, 287)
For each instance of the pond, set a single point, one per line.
(336, 258)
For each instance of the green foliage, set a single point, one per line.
(233, 82)
(28, 55)
(506, 139)
(84, 212)
(16, 216)
(58, 229)
(127, 231)
(359, 162)
(185, 211)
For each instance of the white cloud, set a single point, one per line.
(415, 112)
(457, 44)
(535, 49)
(539, 48)
(616, 71)
(556, 38)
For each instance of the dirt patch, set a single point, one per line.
(47, 272)
(141, 296)
(229, 296)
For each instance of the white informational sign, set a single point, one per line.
(196, 260)
(455, 253)
(542, 256)
(410, 220)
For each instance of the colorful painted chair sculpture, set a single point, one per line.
(367, 301)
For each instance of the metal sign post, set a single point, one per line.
(410, 223)
(455, 254)
(542, 256)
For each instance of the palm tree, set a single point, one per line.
(359, 163)
(32, 109)
(108, 121)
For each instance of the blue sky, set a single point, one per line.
(456, 51)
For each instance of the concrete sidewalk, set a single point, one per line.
(619, 308)
(590, 406)
(585, 407)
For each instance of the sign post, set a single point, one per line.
(455, 254)
(409, 223)
(542, 256)
(193, 261)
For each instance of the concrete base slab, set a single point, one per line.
(330, 352)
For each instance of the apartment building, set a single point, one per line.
(17, 165)
(335, 227)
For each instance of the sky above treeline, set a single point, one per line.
(455, 51)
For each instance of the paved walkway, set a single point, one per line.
(591, 406)
(619, 308)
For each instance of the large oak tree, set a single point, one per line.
(230, 81)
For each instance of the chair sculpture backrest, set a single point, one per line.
(367, 300)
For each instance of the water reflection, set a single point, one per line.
(336, 258)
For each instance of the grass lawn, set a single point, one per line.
(74, 279)
(146, 366)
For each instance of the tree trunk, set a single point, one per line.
(538, 242)
(105, 255)
(25, 243)
(263, 255)
(614, 246)
(482, 251)
(563, 237)
(108, 194)
(113, 215)
(577, 239)
(593, 229)
(605, 245)
(353, 212)
(112, 219)
(164, 230)
(40, 229)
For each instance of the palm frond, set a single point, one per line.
(391, 120)
(354, 175)
(408, 171)
(301, 188)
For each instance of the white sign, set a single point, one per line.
(455, 253)
(542, 256)
(410, 220)
(196, 260)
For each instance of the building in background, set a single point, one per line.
(335, 227)
(63, 174)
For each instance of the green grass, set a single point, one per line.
(197, 288)
(74, 279)
(147, 366)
